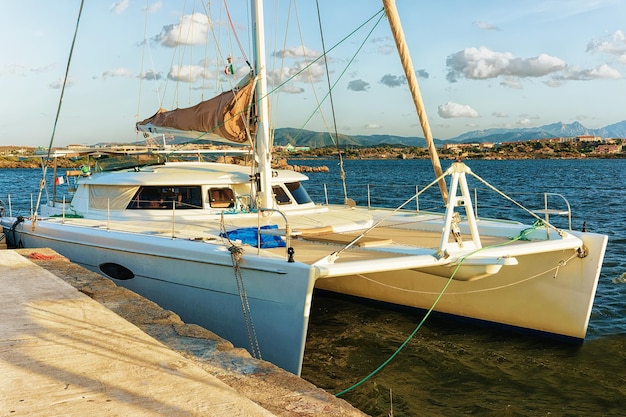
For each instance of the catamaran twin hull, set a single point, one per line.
(547, 292)
(542, 285)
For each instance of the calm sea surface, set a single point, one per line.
(451, 368)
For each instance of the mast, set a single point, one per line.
(407, 65)
(262, 143)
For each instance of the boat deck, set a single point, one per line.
(382, 242)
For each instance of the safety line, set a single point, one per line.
(520, 236)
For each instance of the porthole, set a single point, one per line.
(116, 271)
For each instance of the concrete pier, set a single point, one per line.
(72, 343)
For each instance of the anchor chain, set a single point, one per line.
(236, 253)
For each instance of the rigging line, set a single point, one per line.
(320, 57)
(306, 58)
(219, 56)
(176, 85)
(520, 236)
(335, 46)
(347, 66)
(67, 71)
(342, 173)
(56, 118)
(206, 53)
(380, 12)
(143, 55)
(394, 211)
(494, 189)
(190, 41)
(284, 46)
(230, 21)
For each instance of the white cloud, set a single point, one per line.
(299, 72)
(13, 69)
(616, 45)
(120, 6)
(22, 70)
(58, 84)
(291, 89)
(118, 72)
(297, 52)
(483, 63)
(373, 126)
(154, 7)
(452, 110)
(485, 26)
(192, 29)
(604, 72)
(150, 75)
(511, 82)
(186, 73)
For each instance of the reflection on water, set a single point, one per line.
(453, 368)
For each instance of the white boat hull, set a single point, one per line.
(197, 281)
(549, 292)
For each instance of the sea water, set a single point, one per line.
(452, 368)
(449, 367)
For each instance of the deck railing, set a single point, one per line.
(384, 196)
(485, 202)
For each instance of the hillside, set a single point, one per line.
(312, 139)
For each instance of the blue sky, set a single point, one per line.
(481, 64)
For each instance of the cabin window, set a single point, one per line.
(161, 197)
(110, 197)
(298, 192)
(280, 195)
(221, 198)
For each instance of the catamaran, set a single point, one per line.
(240, 249)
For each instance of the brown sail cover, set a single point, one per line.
(225, 115)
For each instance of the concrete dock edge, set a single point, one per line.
(272, 389)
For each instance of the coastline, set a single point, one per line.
(365, 154)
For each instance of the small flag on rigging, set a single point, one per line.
(228, 69)
(59, 180)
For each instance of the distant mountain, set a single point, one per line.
(295, 137)
(312, 139)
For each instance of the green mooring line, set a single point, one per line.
(521, 236)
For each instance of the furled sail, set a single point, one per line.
(225, 116)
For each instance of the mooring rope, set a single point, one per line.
(521, 236)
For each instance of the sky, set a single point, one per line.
(481, 64)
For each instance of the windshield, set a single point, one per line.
(298, 192)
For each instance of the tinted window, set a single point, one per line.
(280, 195)
(159, 197)
(298, 192)
(221, 198)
